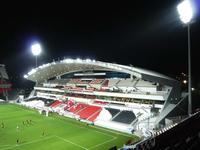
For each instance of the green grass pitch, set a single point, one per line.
(53, 132)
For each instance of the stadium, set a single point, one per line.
(89, 104)
(110, 95)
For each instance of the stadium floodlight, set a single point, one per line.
(36, 50)
(186, 13)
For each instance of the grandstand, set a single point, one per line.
(110, 95)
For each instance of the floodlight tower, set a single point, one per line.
(36, 50)
(186, 13)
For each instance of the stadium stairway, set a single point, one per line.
(83, 107)
(116, 115)
(94, 116)
(165, 112)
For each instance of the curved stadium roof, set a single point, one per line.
(50, 70)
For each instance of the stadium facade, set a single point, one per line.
(120, 97)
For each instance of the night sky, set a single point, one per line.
(146, 34)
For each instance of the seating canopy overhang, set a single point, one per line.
(50, 70)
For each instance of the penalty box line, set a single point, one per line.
(68, 141)
(114, 138)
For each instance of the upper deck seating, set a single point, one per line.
(112, 82)
(97, 81)
(126, 83)
(100, 102)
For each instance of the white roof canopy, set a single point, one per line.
(50, 70)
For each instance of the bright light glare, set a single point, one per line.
(68, 60)
(88, 60)
(79, 60)
(185, 11)
(32, 71)
(36, 49)
(184, 81)
(25, 76)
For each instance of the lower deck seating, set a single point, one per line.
(125, 117)
(113, 111)
(56, 103)
(76, 108)
(88, 112)
(94, 116)
(69, 104)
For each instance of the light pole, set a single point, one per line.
(36, 50)
(186, 13)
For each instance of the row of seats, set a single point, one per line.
(77, 107)
(89, 112)
(100, 102)
(113, 111)
(56, 103)
(125, 117)
(69, 104)
(84, 111)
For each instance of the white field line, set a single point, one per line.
(103, 143)
(63, 139)
(33, 141)
(111, 131)
(103, 133)
(97, 128)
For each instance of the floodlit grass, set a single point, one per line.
(53, 132)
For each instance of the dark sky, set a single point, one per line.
(146, 34)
